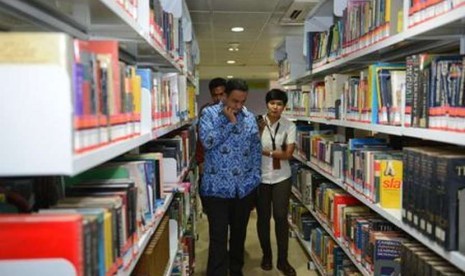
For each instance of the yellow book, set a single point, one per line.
(390, 183)
(387, 14)
(191, 101)
(108, 243)
(136, 90)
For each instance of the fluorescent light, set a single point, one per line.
(237, 29)
(230, 61)
(230, 77)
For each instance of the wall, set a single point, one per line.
(255, 100)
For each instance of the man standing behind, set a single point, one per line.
(216, 87)
(232, 171)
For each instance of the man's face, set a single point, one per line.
(217, 94)
(236, 100)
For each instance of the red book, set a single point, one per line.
(43, 236)
(339, 201)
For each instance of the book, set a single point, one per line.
(450, 173)
(391, 182)
(51, 236)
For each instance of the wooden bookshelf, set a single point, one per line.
(144, 240)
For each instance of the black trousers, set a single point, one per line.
(276, 197)
(222, 214)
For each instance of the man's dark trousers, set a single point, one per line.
(223, 213)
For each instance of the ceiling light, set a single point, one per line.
(230, 61)
(237, 29)
(232, 49)
(230, 77)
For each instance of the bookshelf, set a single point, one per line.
(143, 241)
(450, 137)
(38, 105)
(307, 247)
(62, 267)
(30, 135)
(174, 242)
(393, 216)
(338, 241)
(401, 44)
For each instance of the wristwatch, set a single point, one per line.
(271, 154)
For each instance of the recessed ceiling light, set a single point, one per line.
(230, 61)
(232, 49)
(230, 77)
(237, 29)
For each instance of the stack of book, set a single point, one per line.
(431, 193)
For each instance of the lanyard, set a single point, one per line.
(273, 138)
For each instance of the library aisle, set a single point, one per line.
(297, 257)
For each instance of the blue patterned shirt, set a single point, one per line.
(232, 167)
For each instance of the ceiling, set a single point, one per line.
(213, 20)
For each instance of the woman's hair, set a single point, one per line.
(276, 94)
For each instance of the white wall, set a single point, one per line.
(255, 100)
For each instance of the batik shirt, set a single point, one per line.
(232, 167)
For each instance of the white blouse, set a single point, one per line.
(286, 132)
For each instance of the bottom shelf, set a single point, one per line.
(307, 246)
(143, 241)
(359, 266)
(174, 243)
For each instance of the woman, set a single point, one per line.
(278, 143)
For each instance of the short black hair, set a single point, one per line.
(276, 94)
(236, 84)
(214, 83)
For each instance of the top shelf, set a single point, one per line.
(90, 20)
(442, 29)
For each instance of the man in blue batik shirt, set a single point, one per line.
(229, 134)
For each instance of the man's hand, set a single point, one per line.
(229, 113)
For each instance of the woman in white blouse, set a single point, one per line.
(278, 143)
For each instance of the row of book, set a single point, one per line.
(107, 94)
(419, 260)
(376, 245)
(422, 10)
(374, 242)
(328, 255)
(186, 216)
(114, 205)
(166, 30)
(432, 194)
(425, 92)
(363, 23)
(424, 182)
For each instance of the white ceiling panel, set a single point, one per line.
(195, 5)
(245, 5)
(201, 17)
(213, 20)
(244, 19)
